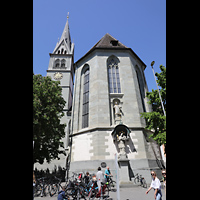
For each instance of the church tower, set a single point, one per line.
(61, 68)
(61, 65)
(109, 95)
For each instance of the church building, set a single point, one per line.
(105, 91)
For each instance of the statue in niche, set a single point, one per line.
(118, 111)
(121, 138)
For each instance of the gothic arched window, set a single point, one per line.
(85, 112)
(63, 63)
(57, 63)
(113, 75)
(141, 88)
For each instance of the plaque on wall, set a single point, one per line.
(103, 165)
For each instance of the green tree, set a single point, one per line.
(48, 105)
(156, 121)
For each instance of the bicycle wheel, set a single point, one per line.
(37, 190)
(105, 193)
(136, 180)
(92, 194)
(70, 193)
(82, 194)
(52, 189)
(112, 186)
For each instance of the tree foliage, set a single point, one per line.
(155, 120)
(48, 105)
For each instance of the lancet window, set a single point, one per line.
(113, 76)
(85, 112)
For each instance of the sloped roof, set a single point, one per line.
(109, 42)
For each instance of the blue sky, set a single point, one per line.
(138, 24)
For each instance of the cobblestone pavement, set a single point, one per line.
(134, 193)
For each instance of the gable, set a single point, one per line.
(62, 48)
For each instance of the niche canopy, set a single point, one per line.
(122, 130)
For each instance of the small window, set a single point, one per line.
(114, 42)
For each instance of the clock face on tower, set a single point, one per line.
(58, 76)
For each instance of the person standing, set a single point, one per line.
(156, 185)
(100, 177)
(87, 178)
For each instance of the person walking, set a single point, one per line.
(100, 178)
(164, 179)
(156, 185)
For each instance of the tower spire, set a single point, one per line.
(65, 37)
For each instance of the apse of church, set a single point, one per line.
(116, 88)
(112, 94)
(116, 76)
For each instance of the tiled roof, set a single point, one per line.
(107, 41)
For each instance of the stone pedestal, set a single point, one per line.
(120, 136)
(124, 173)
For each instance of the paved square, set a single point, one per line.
(135, 193)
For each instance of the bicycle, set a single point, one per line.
(54, 186)
(75, 190)
(111, 184)
(40, 187)
(92, 189)
(103, 192)
(94, 192)
(139, 179)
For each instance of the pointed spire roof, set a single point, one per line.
(65, 38)
(66, 34)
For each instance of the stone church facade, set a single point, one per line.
(105, 92)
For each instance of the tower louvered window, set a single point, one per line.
(85, 113)
(113, 77)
